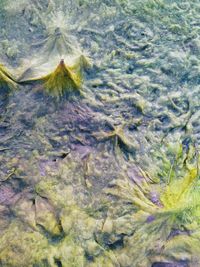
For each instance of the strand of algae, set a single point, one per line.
(6, 79)
(118, 137)
(62, 79)
(177, 195)
(153, 224)
(58, 46)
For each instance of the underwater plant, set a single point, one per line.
(6, 79)
(117, 137)
(62, 79)
(99, 181)
(161, 213)
(57, 46)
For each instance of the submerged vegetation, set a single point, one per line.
(64, 79)
(6, 80)
(165, 215)
(134, 219)
(61, 80)
(110, 179)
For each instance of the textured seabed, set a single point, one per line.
(101, 168)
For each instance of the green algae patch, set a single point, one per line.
(58, 66)
(22, 246)
(68, 253)
(117, 224)
(61, 80)
(45, 216)
(6, 79)
(163, 216)
(118, 139)
(110, 179)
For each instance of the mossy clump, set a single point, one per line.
(22, 246)
(6, 79)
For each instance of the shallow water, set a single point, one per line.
(106, 174)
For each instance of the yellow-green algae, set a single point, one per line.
(6, 79)
(62, 79)
(76, 230)
(146, 74)
(75, 234)
(156, 222)
(58, 66)
(118, 138)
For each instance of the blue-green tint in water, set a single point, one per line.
(99, 133)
